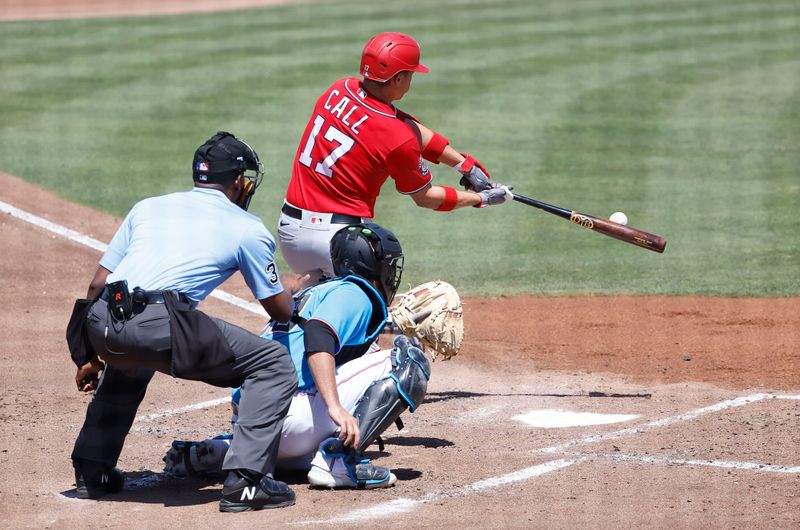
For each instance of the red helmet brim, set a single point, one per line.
(421, 68)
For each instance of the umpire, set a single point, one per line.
(139, 317)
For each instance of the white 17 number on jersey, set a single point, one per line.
(332, 135)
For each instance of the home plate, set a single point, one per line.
(551, 419)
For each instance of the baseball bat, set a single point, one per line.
(625, 233)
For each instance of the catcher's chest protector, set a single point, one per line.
(404, 387)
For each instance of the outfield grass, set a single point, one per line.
(683, 114)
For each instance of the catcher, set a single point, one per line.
(349, 391)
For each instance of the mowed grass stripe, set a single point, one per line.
(608, 131)
(577, 103)
(734, 181)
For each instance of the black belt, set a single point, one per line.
(336, 218)
(152, 297)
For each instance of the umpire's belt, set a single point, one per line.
(336, 218)
(152, 297)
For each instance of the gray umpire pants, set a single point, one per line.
(137, 348)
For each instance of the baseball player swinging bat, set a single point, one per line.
(628, 234)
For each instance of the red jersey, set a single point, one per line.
(351, 145)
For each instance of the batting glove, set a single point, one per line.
(496, 195)
(475, 177)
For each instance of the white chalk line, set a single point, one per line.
(404, 505)
(63, 231)
(723, 405)
(726, 464)
(94, 244)
(182, 410)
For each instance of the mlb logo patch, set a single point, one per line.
(316, 220)
(361, 93)
(202, 166)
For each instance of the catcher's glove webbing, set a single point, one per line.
(432, 313)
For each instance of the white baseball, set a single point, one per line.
(619, 218)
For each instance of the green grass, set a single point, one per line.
(683, 114)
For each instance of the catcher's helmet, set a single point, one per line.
(371, 252)
(222, 158)
(388, 53)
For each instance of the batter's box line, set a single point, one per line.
(404, 504)
(663, 460)
(663, 422)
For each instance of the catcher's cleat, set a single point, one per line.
(197, 458)
(244, 492)
(94, 479)
(336, 467)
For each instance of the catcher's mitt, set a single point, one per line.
(432, 313)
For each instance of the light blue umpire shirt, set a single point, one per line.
(191, 242)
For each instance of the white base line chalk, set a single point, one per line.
(404, 505)
(749, 466)
(723, 405)
(182, 410)
(92, 243)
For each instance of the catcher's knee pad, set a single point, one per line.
(385, 399)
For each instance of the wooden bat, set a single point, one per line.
(625, 233)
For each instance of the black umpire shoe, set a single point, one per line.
(244, 491)
(95, 479)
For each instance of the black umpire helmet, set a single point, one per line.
(222, 158)
(371, 252)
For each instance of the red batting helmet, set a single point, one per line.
(388, 53)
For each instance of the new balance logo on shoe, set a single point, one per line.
(93, 479)
(248, 492)
(242, 492)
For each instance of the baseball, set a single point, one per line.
(619, 218)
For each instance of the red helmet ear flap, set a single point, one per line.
(386, 54)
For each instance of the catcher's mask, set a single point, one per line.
(222, 158)
(388, 53)
(371, 252)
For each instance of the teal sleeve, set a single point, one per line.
(346, 310)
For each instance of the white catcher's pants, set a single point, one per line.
(307, 424)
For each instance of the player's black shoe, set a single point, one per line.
(243, 492)
(94, 479)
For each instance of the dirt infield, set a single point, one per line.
(709, 387)
(707, 393)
